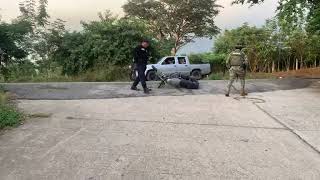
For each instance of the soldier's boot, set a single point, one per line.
(134, 88)
(229, 87)
(243, 92)
(146, 90)
(228, 91)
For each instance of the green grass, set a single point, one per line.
(260, 76)
(3, 95)
(218, 76)
(9, 115)
(2, 90)
(107, 74)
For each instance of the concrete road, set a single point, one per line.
(268, 135)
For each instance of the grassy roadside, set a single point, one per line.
(302, 73)
(109, 74)
(221, 76)
(122, 75)
(9, 115)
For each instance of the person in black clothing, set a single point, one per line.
(141, 57)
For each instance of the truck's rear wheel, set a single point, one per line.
(152, 76)
(196, 74)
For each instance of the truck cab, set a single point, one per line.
(177, 64)
(173, 64)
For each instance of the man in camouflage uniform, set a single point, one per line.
(237, 63)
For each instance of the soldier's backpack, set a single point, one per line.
(237, 59)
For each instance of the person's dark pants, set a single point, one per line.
(141, 76)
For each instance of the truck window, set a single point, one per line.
(168, 61)
(182, 60)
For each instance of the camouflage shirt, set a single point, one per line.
(237, 58)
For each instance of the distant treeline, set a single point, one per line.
(269, 48)
(35, 48)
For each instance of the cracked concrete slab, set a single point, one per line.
(298, 109)
(167, 137)
(197, 110)
(151, 151)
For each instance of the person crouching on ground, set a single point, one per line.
(141, 56)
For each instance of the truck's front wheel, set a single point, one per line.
(196, 74)
(151, 76)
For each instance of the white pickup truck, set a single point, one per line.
(178, 64)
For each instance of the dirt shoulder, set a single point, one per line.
(302, 73)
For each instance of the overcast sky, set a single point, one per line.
(73, 11)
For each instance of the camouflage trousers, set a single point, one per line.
(236, 72)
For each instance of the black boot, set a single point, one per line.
(146, 90)
(134, 88)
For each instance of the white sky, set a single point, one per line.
(73, 11)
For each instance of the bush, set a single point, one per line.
(3, 98)
(9, 116)
(102, 43)
(102, 73)
(260, 76)
(218, 76)
(2, 89)
(3, 95)
(107, 74)
(217, 61)
(221, 76)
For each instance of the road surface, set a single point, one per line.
(73, 91)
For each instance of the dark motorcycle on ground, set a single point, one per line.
(176, 80)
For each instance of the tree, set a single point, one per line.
(42, 16)
(48, 41)
(299, 25)
(297, 42)
(261, 45)
(313, 46)
(28, 11)
(295, 13)
(245, 35)
(42, 40)
(102, 44)
(180, 20)
(217, 61)
(313, 26)
(247, 1)
(22, 70)
(11, 36)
